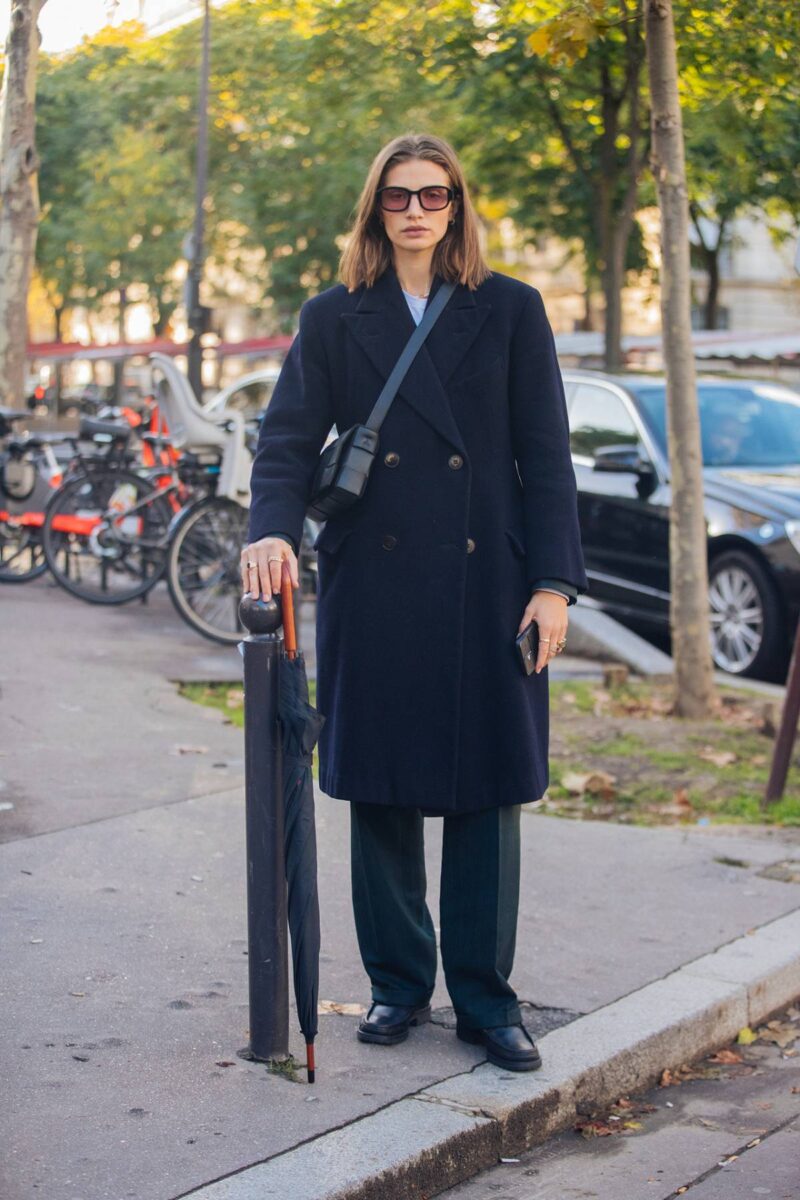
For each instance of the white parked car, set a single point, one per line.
(250, 394)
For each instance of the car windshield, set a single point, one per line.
(742, 425)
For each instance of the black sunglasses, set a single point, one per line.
(397, 199)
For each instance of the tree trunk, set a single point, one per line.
(689, 617)
(711, 306)
(19, 193)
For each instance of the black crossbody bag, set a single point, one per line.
(344, 466)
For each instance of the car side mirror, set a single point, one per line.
(622, 458)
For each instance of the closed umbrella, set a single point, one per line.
(300, 727)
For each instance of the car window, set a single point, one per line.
(745, 426)
(597, 417)
(252, 398)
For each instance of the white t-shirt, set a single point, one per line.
(416, 304)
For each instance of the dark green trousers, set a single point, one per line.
(479, 901)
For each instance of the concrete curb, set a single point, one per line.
(428, 1142)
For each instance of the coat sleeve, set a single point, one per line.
(297, 421)
(540, 437)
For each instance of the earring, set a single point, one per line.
(452, 221)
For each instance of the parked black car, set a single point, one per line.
(751, 455)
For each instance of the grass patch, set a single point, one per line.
(650, 767)
(287, 1068)
(226, 697)
(229, 700)
(625, 757)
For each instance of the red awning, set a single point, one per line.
(66, 351)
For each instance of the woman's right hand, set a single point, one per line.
(262, 577)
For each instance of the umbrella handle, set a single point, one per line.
(287, 611)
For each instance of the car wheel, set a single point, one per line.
(747, 627)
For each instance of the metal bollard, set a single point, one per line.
(264, 805)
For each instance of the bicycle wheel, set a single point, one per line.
(105, 536)
(21, 554)
(203, 572)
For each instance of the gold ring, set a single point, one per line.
(544, 639)
(274, 558)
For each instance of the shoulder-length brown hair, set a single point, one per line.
(457, 257)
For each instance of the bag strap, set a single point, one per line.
(412, 347)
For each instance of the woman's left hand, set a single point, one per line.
(549, 611)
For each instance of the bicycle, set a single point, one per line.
(28, 467)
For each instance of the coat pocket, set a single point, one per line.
(331, 536)
(517, 544)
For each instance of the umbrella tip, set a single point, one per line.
(310, 1064)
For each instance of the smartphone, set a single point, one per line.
(528, 647)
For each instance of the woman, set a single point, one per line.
(467, 531)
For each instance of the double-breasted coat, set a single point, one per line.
(424, 580)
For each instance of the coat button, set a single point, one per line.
(388, 541)
(391, 459)
(470, 545)
(455, 461)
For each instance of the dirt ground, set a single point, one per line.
(618, 753)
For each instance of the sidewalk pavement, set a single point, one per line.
(124, 984)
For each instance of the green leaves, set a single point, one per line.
(545, 101)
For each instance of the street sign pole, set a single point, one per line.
(196, 313)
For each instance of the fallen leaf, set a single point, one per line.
(575, 783)
(725, 1056)
(685, 1072)
(746, 1037)
(596, 783)
(190, 750)
(681, 798)
(779, 1032)
(720, 758)
(224, 1063)
(590, 1129)
(334, 1006)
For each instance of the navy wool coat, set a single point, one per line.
(424, 580)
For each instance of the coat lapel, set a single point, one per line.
(382, 324)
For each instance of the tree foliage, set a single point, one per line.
(545, 101)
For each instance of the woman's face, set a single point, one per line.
(416, 228)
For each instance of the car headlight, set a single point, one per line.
(793, 533)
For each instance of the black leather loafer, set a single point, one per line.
(509, 1046)
(388, 1024)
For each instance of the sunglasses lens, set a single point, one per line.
(434, 197)
(395, 199)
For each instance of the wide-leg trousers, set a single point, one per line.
(479, 902)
